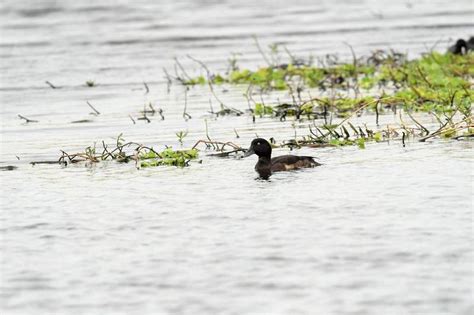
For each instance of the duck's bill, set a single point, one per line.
(249, 152)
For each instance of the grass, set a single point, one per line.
(435, 82)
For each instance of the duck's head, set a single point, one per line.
(260, 147)
(461, 43)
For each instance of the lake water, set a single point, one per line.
(385, 230)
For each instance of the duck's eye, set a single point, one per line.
(258, 143)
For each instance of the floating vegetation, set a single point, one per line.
(27, 120)
(345, 133)
(342, 134)
(82, 121)
(379, 69)
(125, 152)
(51, 85)
(167, 157)
(433, 83)
(90, 83)
(8, 168)
(438, 84)
(95, 111)
(148, 111)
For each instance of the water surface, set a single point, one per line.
(385, 230)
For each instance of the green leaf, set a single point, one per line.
(361, 143)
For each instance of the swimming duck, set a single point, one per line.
(459, 48)
(462, 47)
(266, 165)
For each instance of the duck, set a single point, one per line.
(462, 47)
(267, 165)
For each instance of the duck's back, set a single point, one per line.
(292, 162)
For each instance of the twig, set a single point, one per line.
(168, 81)
(186, 116)
(292, 58)
(226, 154)
(207, 131)
(147, 90)
(464, 136)
(144, 118)
(347, 135)
(210, 105)
(81, 121)
(51, 85)
(261, 51)
(93, 108)
(356, 111)
(27, 119)
(216, 144)
(160, 112)
(441, 129)
(377, 114)
(354, 58)
(423, 76)
(182, 69)
(211, 88)
(9, 168)
(417, 123)
(152, 108)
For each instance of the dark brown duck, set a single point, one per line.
(266, 165)
(462, 47)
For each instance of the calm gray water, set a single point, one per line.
(385, 230)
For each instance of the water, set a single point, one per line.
(385, 230)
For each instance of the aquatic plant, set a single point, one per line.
(90, 83)
(51, 85)
(181, 135)
(439, 84)
(95, 111)
(456, 126)
(168, 157)
(432, 83)
(220, 149)
(27, 120)
(125, 152)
